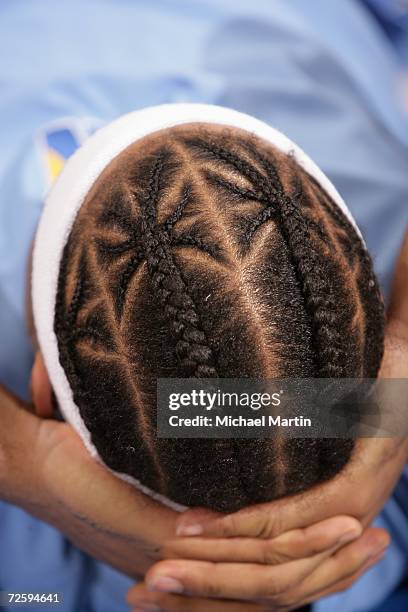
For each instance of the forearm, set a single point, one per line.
(104, 516)
(45, 469)
(18, 437)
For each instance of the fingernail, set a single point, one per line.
(165, 584)
(189, 530)
(349, 536)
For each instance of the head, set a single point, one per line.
(204, 251)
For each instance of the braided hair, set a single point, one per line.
(204, 252)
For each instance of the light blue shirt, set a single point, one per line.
(326, 73)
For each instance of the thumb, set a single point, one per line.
(41, 388)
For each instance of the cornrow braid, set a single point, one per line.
(241, 192)
(320, 301)
(191, 347)
(125, 277)
(317, 290)
(176, 216)
(368, 286)
(203, 252)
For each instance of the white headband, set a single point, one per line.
(70, 190)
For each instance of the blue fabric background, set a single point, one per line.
(332, 75)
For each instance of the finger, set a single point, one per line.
(339, 569)
(292, 545)
(139, 598)
(230, 580)
(398, 309)
(261, 521)
(338, 587)
(41, 388)
(346, 583)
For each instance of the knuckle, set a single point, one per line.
(269, 556)
(302, 536)
(226, 526)
(230, 526)
(271, 524)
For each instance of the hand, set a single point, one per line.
(266, 571)
(45, 469)
(283, 586)
(231, 560)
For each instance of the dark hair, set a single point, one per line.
(205, 252)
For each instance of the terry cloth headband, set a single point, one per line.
(69, 191)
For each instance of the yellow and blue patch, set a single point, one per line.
(61, 144)
(59, 140)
